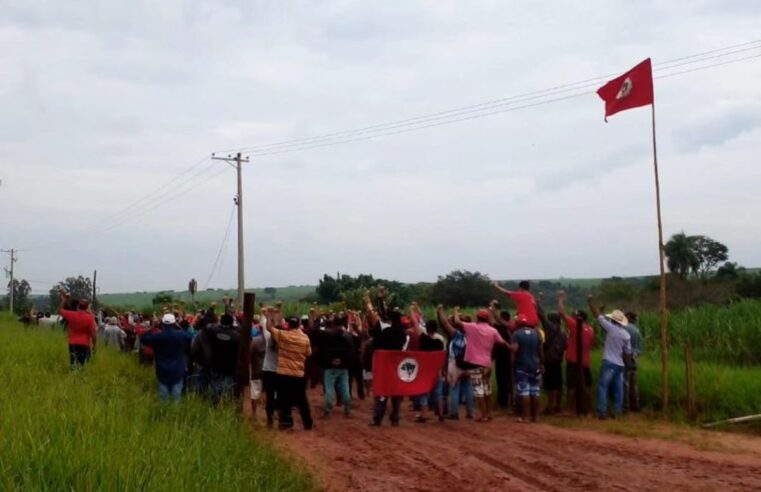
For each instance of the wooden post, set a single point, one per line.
(241, 376)
(663, 311)
(581, 389)
(692, 413)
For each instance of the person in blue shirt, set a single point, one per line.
(170, 346)
(618, 348)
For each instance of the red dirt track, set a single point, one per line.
(502, 455)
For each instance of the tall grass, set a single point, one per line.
(729, 334)
(102, 428)
(721, 391)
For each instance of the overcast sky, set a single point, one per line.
(103, 103)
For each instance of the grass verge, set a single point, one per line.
(103, 428)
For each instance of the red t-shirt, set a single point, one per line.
(525, 305)
(588, 340)
(80, 325)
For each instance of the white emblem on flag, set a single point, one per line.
(626, 89)
(408, 369)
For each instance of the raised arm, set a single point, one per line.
(444, 322)
(501, 289)
(593, 306)
(561, 303)
(456, 316)
(370, 312)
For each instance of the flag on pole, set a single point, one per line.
(397, 373)
(631, 90)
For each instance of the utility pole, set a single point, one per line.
(94, 291)
(10, 271)
(238, 160)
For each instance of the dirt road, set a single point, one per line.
(504, 455)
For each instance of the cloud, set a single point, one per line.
(120, 105)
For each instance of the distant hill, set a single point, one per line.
(138, 299)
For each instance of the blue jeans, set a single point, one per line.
(463, 389)
(340, 378)
(611, 378)
(433, 399)
(173, 391)
(221, 387)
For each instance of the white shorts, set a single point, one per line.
(367, 375)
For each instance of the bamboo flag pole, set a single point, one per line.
(663, 310)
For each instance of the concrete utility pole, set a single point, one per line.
(10, 271)
(238, 160)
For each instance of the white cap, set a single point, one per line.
(168, 319)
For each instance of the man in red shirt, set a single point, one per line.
(81, 329)
(524, 302)
(577, 377)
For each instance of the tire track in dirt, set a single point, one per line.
(346, 454)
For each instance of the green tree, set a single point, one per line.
(21, 290)
(79, 287)
(271, 292)
(681, 258)
(729, 271)
(162, 298)
(463, 288)
(709, 253)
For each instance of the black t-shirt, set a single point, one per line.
(391, 338)
(337, 350)
(223, 344)
(430, 344)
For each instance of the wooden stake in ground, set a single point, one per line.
(241, 373)
(692, 413)
(663, 311)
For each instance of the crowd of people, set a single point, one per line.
(523, 353)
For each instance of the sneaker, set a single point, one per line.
(374, 424)
(420, 419)
(325, 415)
(395, 423)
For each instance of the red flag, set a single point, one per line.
(631, 90)
(397, 373)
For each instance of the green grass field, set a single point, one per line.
(103, 428)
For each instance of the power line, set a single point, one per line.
(383, 128)
(143, 206)
(484, 114)
(222, 247)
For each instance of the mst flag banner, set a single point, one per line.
(631, 90)
(397, 373)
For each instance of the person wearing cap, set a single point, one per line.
(481, 339)
(293, 350)
(170, 346)
(112, 334)
(617, 348)
(526, 344)
(81, 330)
